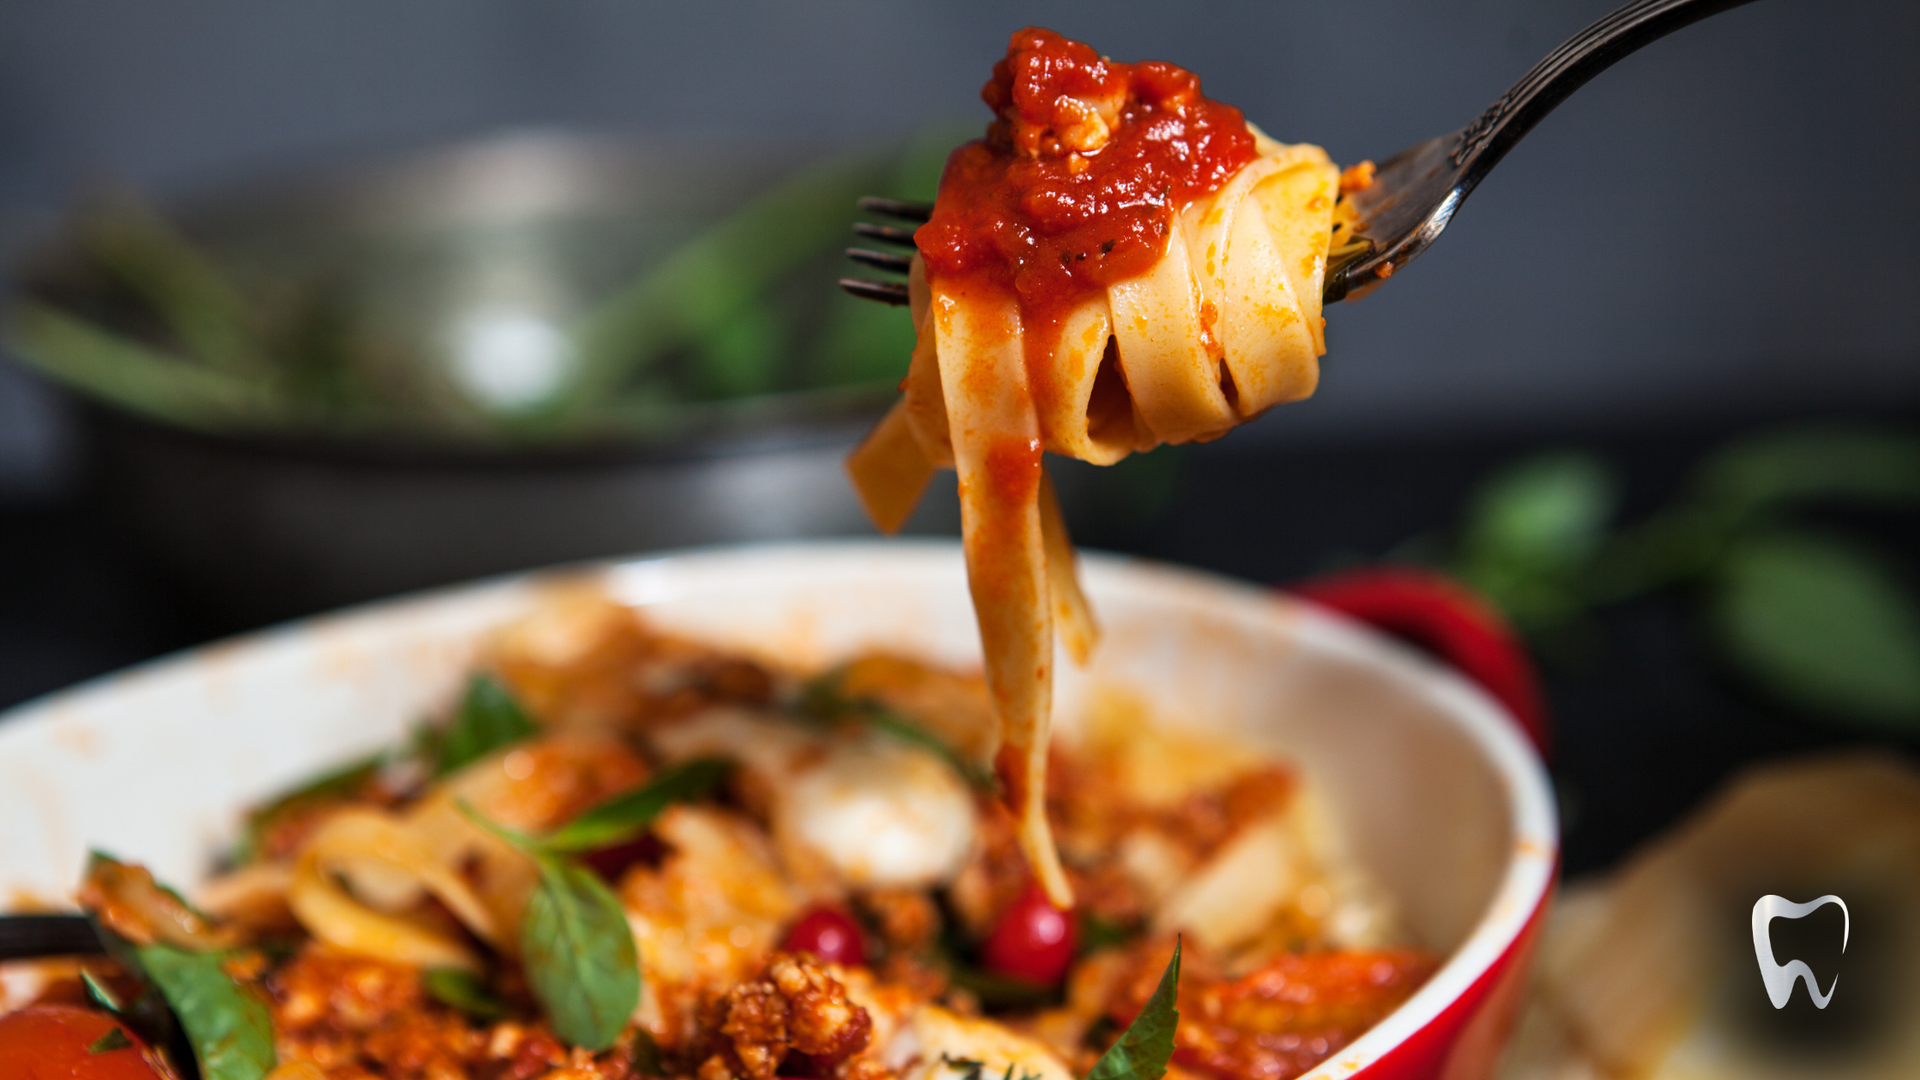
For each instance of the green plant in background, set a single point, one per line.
(747, 309)
(1813, 616)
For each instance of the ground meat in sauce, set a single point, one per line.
(358, 1018)
(906, 919)
(795, 1020)
(1081, 174)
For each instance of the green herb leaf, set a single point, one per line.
(1823, 624)
(526, 842)
(196, 300)
(463, 991)
(1841, 464)
(1000, 991)
(114, 1039)
(626, 816)
(579, 955)
(228, 1025)
(488, 719)
(136, 377)
(1147, 1045)
(575, 945)
(1097, 933)
(148, 1014)
(1531, 529)
(698, 290)
(1549, 511)
(861, 342)
(737, 357)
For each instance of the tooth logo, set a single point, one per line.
(1780, 978)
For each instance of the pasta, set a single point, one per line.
(625, 854)
(1120, 263)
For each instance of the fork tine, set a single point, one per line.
(880, 260)
(887, 292)
(894, 208)
(885, 234)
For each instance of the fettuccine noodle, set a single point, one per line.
(1191, 316)
(350, 840)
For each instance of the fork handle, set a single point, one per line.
(34, 937)
(1484, 142)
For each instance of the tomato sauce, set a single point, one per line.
(1081, 174)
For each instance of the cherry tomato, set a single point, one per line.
(1033, 940)
(50, 1042)
(828, 934)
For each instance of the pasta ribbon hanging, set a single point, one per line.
(1049, 324)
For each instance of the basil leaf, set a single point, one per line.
(1147, 1045)
(524, 841)
(1549, 511)
(488, 719)
(1823, 624)
(228, 1026)
(1531, 530)
(575, 945)
(463, 991)
(579, 955)
(1859, 465)
(114, 1039)
(148, 1013)
(626, 816)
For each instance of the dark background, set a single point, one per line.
(1710, 239)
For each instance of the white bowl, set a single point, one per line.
(1433, 788)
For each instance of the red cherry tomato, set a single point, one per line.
(829, 935)
(1033, 940)
(50, 1042)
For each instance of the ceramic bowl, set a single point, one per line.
(1433, 788)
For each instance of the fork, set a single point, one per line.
(1414, 193)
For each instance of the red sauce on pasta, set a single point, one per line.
(1079, 178)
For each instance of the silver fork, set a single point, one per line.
(1414, 193)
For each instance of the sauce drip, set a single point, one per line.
(1081, 174)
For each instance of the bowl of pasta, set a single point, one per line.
(851, 811)
(741, 813)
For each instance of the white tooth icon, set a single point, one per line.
(1780, 978)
